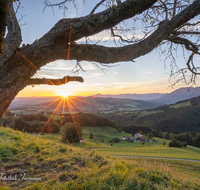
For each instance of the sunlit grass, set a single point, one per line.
(63, 166)
(153, 151)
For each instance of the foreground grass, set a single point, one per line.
(60, 166)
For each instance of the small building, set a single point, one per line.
(125, 138)
(131, 139)
(139, 137)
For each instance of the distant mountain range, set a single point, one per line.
(179, 95)
(166, 98)
(149, 96)
(175, 96)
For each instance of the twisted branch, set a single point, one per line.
(57, 82)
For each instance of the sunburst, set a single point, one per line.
(63, 93)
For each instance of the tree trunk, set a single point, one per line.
(3, 19)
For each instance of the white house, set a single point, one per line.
(125, 138)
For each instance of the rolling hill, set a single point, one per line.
(183, 116)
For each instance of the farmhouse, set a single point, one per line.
(131, 139)
(125, 138)
(138, 137)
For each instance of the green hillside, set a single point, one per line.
(49, 164)
(181, 117)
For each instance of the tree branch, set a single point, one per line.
(193, 69)
(185, 32)
(90, 25)
(174, 8)
(97, 5)
(187, 24)
(188, 44)
(64, 80)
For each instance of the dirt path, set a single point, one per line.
(157, 158)
(194, 147)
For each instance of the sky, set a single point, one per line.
(148, 74)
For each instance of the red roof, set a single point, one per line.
(126, 136)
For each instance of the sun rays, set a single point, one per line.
(64, 93)
(70, 105)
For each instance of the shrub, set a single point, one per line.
(120, 130)
(184, 144)
(71, 132)
(149, 136)
(175, 143)
(114, 140)
(90, 136)
(164, 143)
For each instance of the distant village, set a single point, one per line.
(137, 138)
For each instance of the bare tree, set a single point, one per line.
(164, 22)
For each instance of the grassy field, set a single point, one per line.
(125, 147)
(183, 104)
(153, 151)
(59, 166)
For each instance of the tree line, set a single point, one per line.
(36, 123)
(88, 119)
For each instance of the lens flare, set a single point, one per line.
(63, 93)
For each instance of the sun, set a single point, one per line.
(63, 93)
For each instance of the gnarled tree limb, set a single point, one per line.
(57, 82)
(188, 44)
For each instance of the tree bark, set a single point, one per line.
(3, 18)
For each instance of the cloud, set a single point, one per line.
(94, 75)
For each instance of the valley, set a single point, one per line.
(31, 133)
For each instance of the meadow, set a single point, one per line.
(125, 148)
(55, 165)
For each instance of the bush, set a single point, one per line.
(184, 144)
(114, 140)
(175, 143)
(90, 136)
(164, 143)
(120, 130)
(149, 136)
(71, 132)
